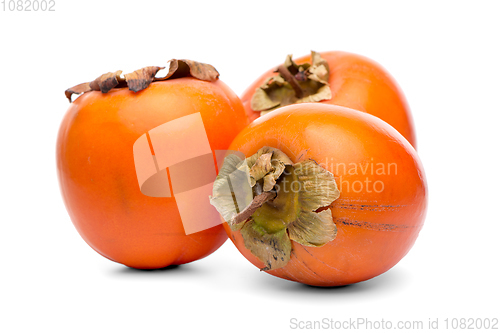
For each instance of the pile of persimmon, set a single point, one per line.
(320, 184)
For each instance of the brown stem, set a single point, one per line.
(256, 203)
(142, 78)
(292, 80)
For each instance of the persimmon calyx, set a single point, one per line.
(294, 84)
(142, 78)
(273, 201)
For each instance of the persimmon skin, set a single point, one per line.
(375, 228)
(97, 176)
(359, 83)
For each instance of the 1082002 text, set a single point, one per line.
(28, 5)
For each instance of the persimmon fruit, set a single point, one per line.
(335, 77)
(334, 196)
(95, 161)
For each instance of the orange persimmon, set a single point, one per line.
(97, 174)
(341, 232)
(355, 82)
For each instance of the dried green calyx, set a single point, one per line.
(273, 201)
(142, 78)
(294, 84)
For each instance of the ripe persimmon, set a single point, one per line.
(335, 77)
(326, 196)
(118, 212)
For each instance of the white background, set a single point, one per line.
(445, 56)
